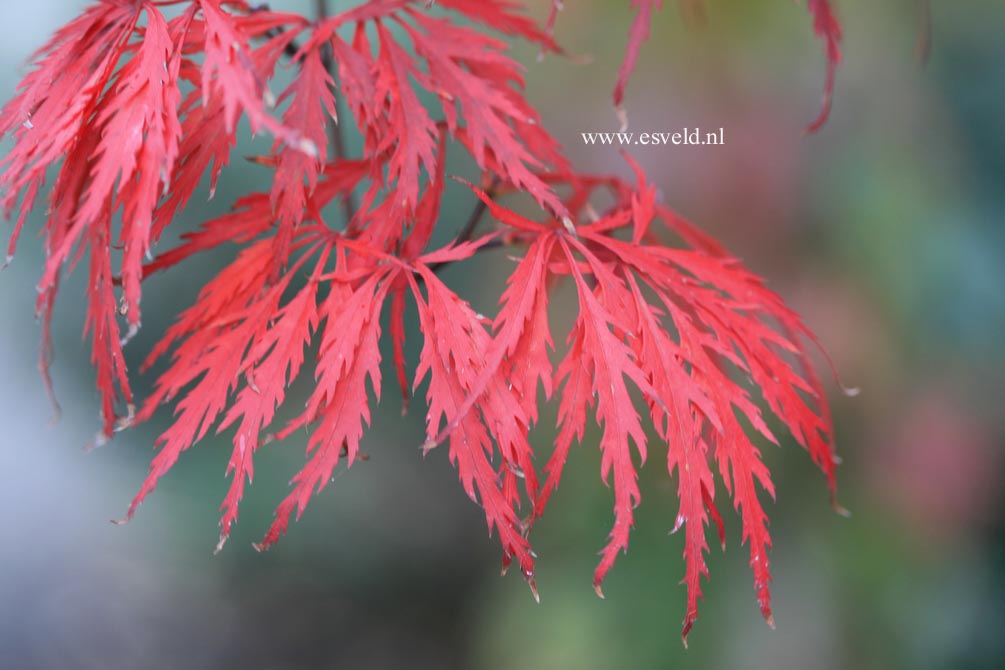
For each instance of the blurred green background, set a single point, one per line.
(884, 230)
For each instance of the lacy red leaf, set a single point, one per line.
(673, 345)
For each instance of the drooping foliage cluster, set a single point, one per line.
(132, 103)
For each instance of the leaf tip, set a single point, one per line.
(308, 147)
(840, 509)
(622, 115)
(100, 439)
(569, 226)
(133, 331)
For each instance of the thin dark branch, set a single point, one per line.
(468, 229)
(292, 49)
(497, 243)
(335, 136)
(476, 215)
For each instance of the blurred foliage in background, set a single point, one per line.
(884, 230)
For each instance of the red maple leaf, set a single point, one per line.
(671, 346)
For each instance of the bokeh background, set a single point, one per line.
(885, 231)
